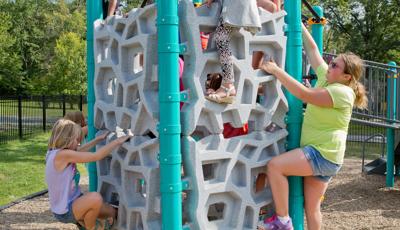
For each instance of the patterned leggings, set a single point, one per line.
(222, 39)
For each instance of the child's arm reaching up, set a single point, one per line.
(66, 156)
(86, 147)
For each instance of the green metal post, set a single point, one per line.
(295, 114)
(169, 127)
(391, 106)
(317, 31)
(94, 11)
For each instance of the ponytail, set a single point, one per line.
(355, 67)
(361, 100)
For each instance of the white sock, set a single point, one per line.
(284, 219)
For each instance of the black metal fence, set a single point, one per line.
(22, 116)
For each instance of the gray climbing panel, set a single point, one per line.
(221, 172)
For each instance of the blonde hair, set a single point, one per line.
(76, 116)
(354, 66)
(63, 134)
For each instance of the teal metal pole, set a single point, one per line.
(94, 11)
(391, 106)
(317, 31)
(169, 127)
(295, 115)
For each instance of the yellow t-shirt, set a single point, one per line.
(326, 128)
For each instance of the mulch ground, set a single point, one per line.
(353, 201)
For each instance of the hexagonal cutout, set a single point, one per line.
(134, 159)
(267, 153)
(114, 52)
(215, 171)
(238, 46)
(204, 11)
(281, 145)
(122, 216)
(268, 94)
(104, 166)
(249, 218)
(116, 171)
(102, 49)
(132, 60)
(279, 113)
(259, 188)
(248, 151)
(119, 28)
(147, 21)
(105, 85)
(247, 92)
(216, 211)
(239, 175)
(257, 120)
(231, 131)
(223, 209)
(111, 121)
(135, 221)
(131, 189)
(109, 193)
(99, 119)
(141, 186)
(267, 28)
(120, 95)
(125, 122)
(200, 132)
(132, 97)
(122, 152)
(265, 51)
(212, 69)
(207, 42)
(149, 155)
(132, 30)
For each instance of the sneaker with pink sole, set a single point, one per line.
(273, 223)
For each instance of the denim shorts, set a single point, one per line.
(67, 217)
(322, 168)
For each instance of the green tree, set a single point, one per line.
(10, 64)
(67, 73)
(35, 27)
(368, 28)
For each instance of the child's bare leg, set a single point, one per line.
(106, 211)
(87, 208)
(268, 5)
(290, 163)
(314, 189)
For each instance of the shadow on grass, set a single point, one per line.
(32, 150)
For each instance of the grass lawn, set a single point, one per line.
(22, 167)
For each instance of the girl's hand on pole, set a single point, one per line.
(208, 2)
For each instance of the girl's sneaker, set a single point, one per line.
(273, 223)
